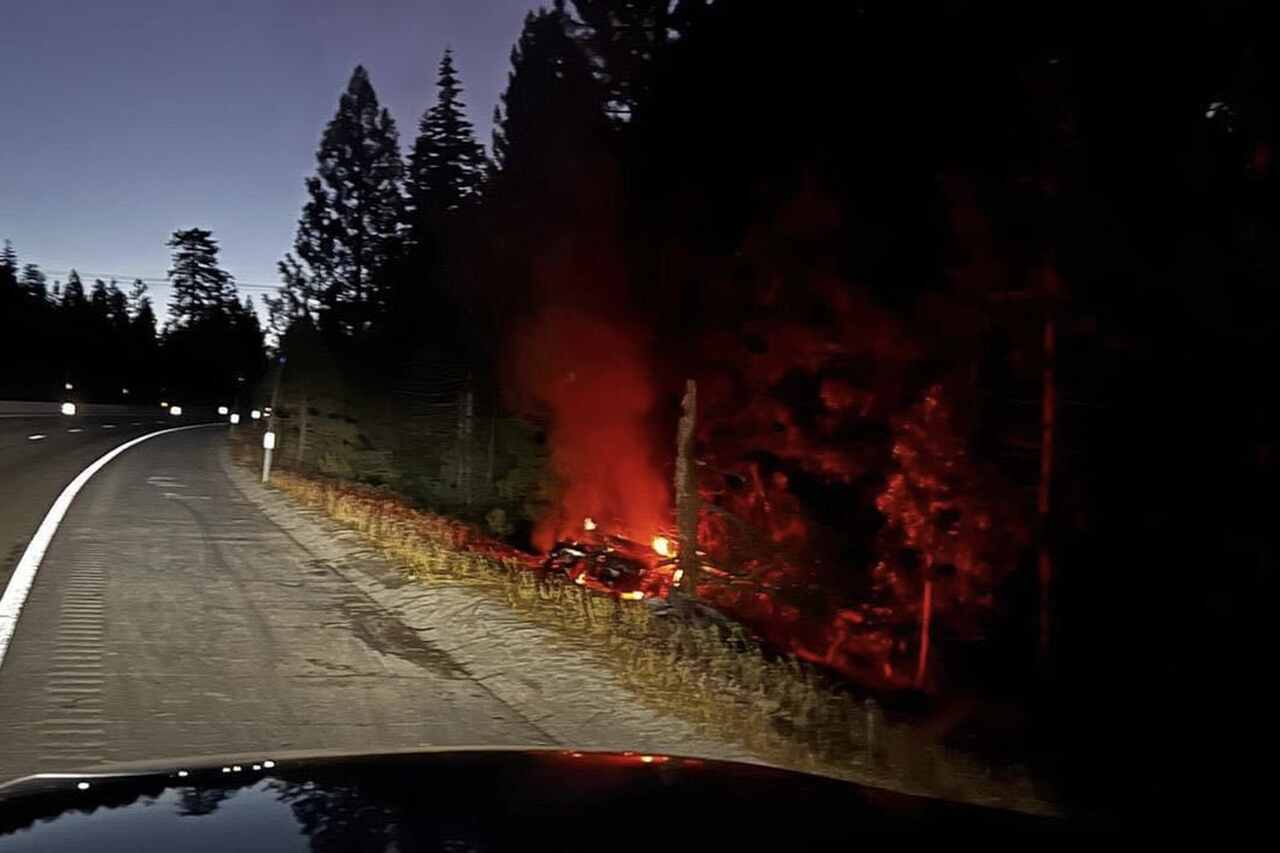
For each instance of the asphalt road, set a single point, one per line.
(170, 617)
(39, 455)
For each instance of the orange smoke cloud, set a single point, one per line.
(592, 380)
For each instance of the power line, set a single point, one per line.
(162, 282)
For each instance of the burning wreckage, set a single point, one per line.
(612, 563)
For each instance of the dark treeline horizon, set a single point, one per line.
(98, 343)
(979, 299)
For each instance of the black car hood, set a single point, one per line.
(459, 800)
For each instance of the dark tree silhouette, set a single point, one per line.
(211, 339)
(202, 290)
(103, 345)
(350, 229)
(447, 166)
(552, 107)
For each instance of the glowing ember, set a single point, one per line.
(581, 580)
(632, 596)
(588, 523)
(677, 576)
(662, 545)
(647, 759)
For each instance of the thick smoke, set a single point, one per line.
(591, 378)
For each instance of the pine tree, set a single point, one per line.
(8, 266)
(249, 345)
(447, 167)
(10, 293)
(144, 319)
(73, 298)
(11, 310)
(142, 334)
(137, 293)
(201, 289)
(952, 527)
(553, 106)
(350, 227)
(247, 321)
(626, 39)
(144, 346)
(35, 283)
(296, 299)
(98, 299)
(117, 308)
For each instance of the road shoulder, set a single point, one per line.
(576, 701)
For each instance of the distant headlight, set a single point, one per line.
(68, 408)
(222, 410)
(175, 410)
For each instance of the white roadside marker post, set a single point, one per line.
(268, 445)
(269, 437)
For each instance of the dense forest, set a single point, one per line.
(105, 345)
(977, 298)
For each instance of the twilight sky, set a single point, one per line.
(124, 120)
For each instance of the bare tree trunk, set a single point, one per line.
(493, 437)
(926, 616)
(1044, 504)
(301, 455)
(466, 416)
(687, 493)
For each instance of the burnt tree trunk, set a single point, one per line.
(686, 484)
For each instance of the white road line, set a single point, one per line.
(15, 594)
(36, 437)
(76, 429)
(108, 426)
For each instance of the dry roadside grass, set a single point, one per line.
(706, 671)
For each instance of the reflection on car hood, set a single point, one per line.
(464, 800)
